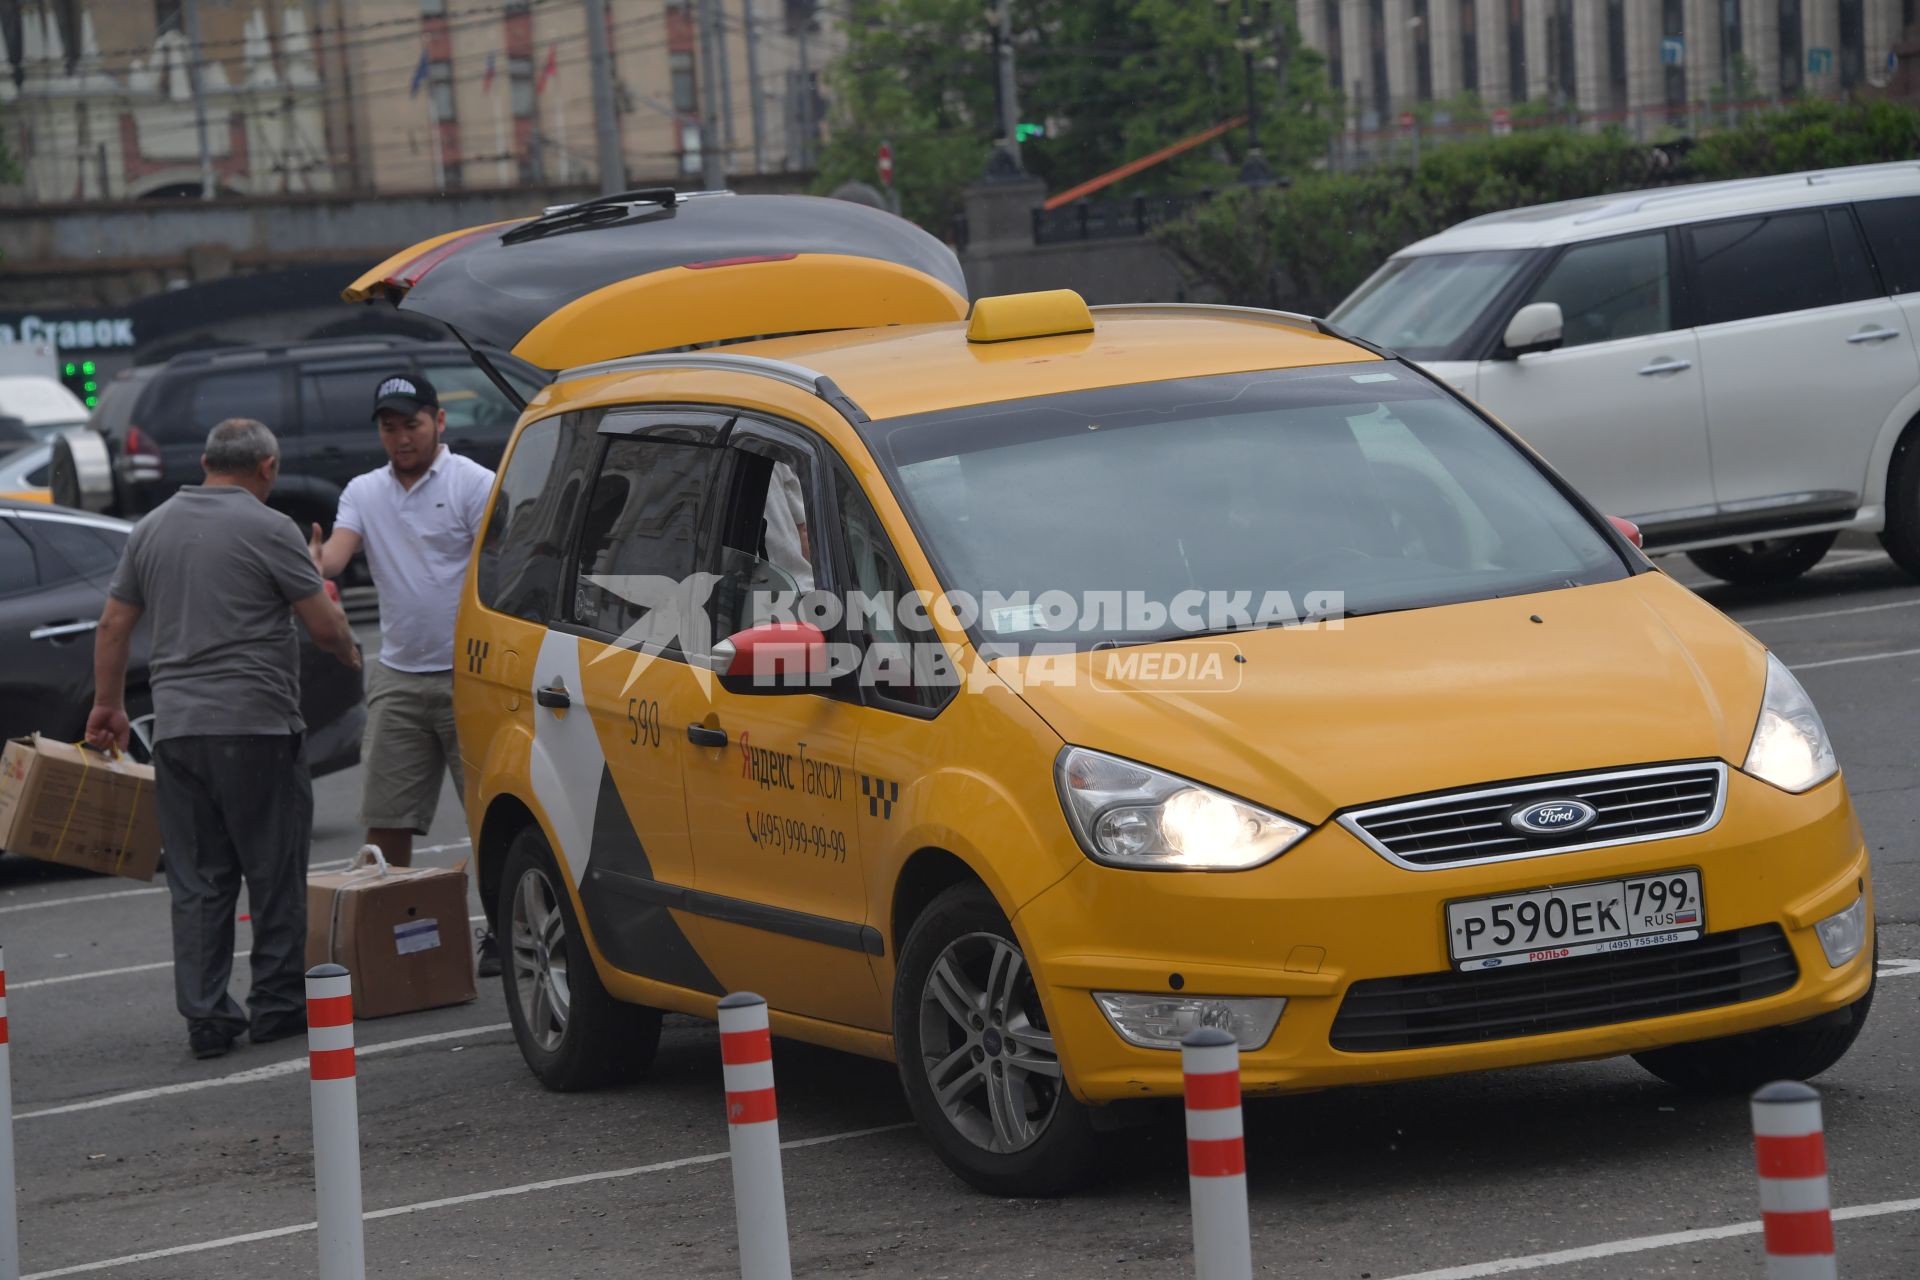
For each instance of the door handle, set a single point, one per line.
(1664, 365)
(1873, 335)
(555, 698)
(701, 736)
(62, 630)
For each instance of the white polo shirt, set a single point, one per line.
(418, 542)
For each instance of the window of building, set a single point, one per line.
(1793, 60)
(520, 82)
(167, 16)
(1673, 22)
(1422, 51)
(1610, 290)
(686, 95)
(1377, 41)
(1469, 47)
(440, 89)
(1764, 266)
(1336, 48)
(1517, 90)
(1853, 43)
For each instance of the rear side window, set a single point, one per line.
(1893, 229)
(115, 409)
(80, 550)
(1613, 289)
(337, 401)
(524, 549)
(471, 400)
(16, 562)
(641, 530)
(1764, 266)
(211, 398)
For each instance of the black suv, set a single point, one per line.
(316, 396)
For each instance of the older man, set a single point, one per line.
(417, 519)
(221, 575)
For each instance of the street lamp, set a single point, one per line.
(1254, 170)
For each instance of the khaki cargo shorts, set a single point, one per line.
(409, 744)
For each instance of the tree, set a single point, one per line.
(1112, 80)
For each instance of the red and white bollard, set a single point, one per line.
(753, 1135)
(9, 1210)
(1790, 1148)
(336, 1123)
(1216, 1156)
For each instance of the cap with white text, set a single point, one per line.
(406, 393)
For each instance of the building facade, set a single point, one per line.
(97, 97)
(1646, 64)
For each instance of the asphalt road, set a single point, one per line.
(129, 1150)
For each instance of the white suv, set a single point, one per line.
(1733, 366)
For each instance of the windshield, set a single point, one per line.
(1229, 502)
(1423, 307)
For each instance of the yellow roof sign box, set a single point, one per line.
(1029, 315)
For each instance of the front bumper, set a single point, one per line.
(1331, 912)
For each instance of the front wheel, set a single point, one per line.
(1741, 1064)
(1752, 564)
(571, 1032)
(976, 1056)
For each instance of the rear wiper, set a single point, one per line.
(602, 211)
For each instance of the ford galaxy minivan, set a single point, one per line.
(1007, 689)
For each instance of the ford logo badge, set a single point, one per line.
(1552, 817)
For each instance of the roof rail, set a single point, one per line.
(1292, 319)
(317, 346)
(801, 378)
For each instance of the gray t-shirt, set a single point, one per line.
(216, 571)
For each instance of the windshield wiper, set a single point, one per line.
(601, 211)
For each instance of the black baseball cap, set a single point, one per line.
(406, 393)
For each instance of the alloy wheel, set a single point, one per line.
(539, 940)
(985, 1046)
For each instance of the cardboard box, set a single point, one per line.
(400, 931)
(63, 803)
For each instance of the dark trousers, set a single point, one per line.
(234, 807)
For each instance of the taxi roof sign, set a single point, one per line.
(1029, 315)
(654, 270)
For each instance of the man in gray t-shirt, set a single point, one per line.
(221, 576)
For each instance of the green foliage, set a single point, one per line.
(1113, 79)
(1309, 245)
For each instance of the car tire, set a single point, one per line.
(572, 1033)
(1752, 564)
(1901, 537)
(1741, 1064)
(966, 1015)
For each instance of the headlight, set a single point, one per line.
(1128, 815)
(1790, 747)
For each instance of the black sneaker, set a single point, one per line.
(209, 1041)
(487, 955)
(282, 1028)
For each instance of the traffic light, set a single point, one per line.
(1027, 129)
(82, 378)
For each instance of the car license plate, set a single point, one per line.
(1576, 920)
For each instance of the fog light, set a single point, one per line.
(1843, 933)
(1159, 1022)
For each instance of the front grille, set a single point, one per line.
(1381, 1014)
(1466, 827)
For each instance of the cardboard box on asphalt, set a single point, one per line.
(400, 931)
(63, 803)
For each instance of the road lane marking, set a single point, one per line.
(272, 1071)
(1826, 613)
(1613, 1248)
(1863, 657)
(1900, 968)
(451, 1202)
(103, 973)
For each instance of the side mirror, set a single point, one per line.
(1534, 327)
(1627, 529)
(774, 657)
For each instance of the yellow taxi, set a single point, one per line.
(1008, 689)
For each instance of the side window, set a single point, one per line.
(470, 398)
(1764, 266)
(337, 401)
(16, 562)
(524, 546)
(1893, 229)
(767, 535)
(1850, 258)
(212, 398)
(897, 664)
(70, 550)
(641, 530)
(1613, 289)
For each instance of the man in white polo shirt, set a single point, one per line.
(417, 519)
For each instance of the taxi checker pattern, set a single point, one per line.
(1040, 885)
